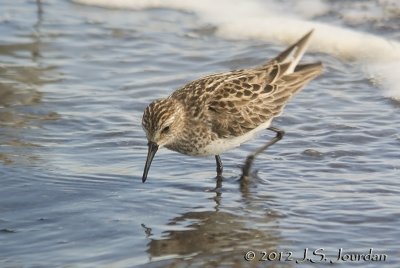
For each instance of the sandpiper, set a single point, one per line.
(220, 111)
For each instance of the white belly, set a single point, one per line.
(221, 145)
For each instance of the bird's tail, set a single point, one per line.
(293, 54)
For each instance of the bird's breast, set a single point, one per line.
(221, 145)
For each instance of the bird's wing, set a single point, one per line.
(243, 101)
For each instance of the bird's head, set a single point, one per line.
(162, 121)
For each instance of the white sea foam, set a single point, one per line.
(284, 22)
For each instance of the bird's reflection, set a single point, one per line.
(221, 236)
(243, 187)
(212, 237)
(147, 230)
(218, 191)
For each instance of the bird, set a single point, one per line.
(219, 112)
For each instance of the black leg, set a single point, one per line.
(220, 168)
(250, 158)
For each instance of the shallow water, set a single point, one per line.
(74, 81)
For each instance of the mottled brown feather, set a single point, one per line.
(232, 100)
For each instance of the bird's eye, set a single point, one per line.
(165, 130)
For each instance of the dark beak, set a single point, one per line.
(153, 147)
